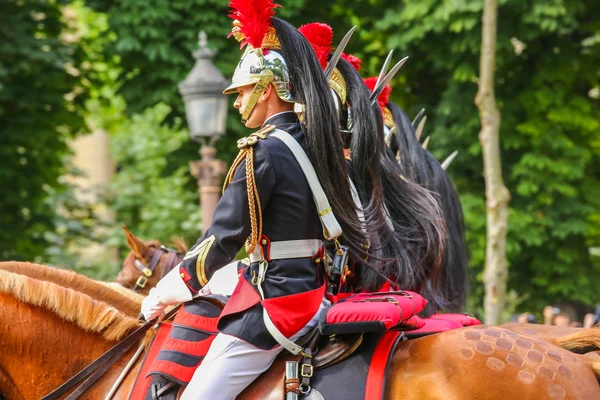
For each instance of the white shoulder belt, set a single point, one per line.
(301, 248)
(331, 227)
(296, 248)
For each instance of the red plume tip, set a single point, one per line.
(370, 82)
(320, 37)
(384, 97)
(353, 60)
(254, 18)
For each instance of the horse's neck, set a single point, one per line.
(40, 347)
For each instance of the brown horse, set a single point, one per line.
(49, 332)
(143, 255)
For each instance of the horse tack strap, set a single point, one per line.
(97, 374)
(148, 271)
(331, 227)
(307, 368)
(171, 262)
(380, 362)
(104, 362)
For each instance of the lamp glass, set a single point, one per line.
(206, 115)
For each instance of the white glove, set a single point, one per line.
(152, 307)
(170, 290)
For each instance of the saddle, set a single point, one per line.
(328, 351)
(332, 349)
(347, 367)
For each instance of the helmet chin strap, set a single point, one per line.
(266, 77)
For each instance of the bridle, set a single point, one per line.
(173, 258)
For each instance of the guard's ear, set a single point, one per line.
(136, 245)
(269, 91)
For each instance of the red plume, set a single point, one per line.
(384, 97)
(352, 59)
(254, 17)
(320, 37)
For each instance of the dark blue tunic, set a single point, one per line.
(293, 288)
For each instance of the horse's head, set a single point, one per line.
(147, 262)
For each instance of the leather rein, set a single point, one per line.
(173, 258)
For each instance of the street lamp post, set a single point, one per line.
(206, 111)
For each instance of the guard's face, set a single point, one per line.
(257, 116)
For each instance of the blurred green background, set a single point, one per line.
(68, 69)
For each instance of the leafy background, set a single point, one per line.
(67, 68)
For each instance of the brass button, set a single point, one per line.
(317, 261)
(264, 242)
(182, 276)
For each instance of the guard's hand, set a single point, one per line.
(152, 307)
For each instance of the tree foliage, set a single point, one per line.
(547, 90)
(40, 107)
(152, 201)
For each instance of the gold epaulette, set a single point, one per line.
(253, 138)
(246, 146)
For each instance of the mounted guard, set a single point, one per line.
(286, 193)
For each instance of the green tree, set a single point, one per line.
(154, 202)
(40, 99)
(547, 92)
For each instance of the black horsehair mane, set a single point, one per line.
(416, 241)
(423, 168)
(323, 138)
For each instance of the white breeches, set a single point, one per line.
(232, 364)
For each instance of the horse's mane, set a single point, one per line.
(128, 304)
(89, 313)
(135, 297)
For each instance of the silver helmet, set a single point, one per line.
(252, 68)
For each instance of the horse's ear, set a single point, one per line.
(180, 244)
(136, 245)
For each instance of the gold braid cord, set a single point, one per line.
(246, 146)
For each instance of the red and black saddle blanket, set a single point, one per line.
(177, 349)
(362, 375)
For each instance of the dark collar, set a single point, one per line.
(282, 118)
